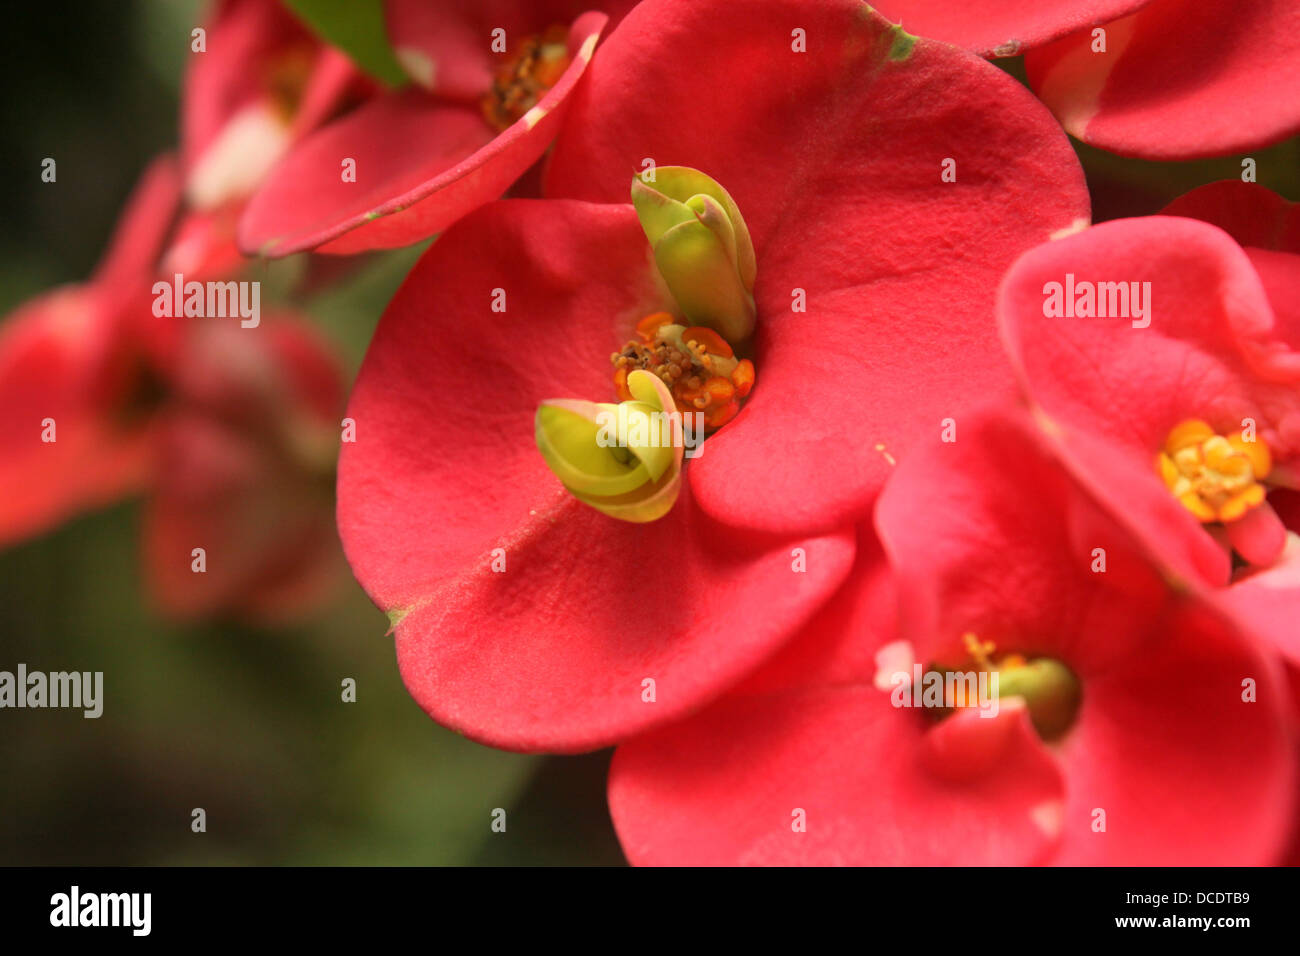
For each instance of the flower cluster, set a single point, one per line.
(929, 470)
(768, 407)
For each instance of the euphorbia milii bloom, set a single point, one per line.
(76, 412)
(1125, 730)
(490, 82)
(1178, 79)
(526, 618)
(259, 85)
(1170, 348)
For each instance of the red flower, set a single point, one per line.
(261, 83)
(1197, 387)
(1152, 755)
(1178, 79)
(550, 649)
(77, 415)
(426, 155)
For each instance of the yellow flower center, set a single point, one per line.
(1216, 477)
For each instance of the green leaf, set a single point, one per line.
(357, 28)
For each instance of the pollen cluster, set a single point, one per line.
(525, 78)
(1216, 477)
(696, 364)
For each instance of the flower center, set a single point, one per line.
(626, 460)
(1216, 477)
(524, 78)
(1050, 690)
(697, 365)
(286, 80)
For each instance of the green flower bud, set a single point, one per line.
(623, 459)
(1050, 690)
(702, 248)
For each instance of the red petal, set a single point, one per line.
(56, 353)
(550, 654)
(447, 47)
(1161, 691)
(1001, 27)
(1259, 536)
(1267, 601)
(898, 332)
(1179, 80)
(236, 70)
(421, 164)
(1187, 771)
(721, 789)
(1212, 350)
(203, 246)
(973, 553)
(1250, 213)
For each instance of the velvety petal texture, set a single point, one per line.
(1211, 348)
(876, 276)
(524, 619)
(812, 764)
(1184, 767)
(418, 163)
(1177, 79)
(1001, 27)
(1206, 344)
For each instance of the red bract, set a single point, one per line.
(426, 155)
(259, 85)
(808, 762)
(76, 419)
(1178, 79)
(1001, 27)
(1209, 349)
(550, 650)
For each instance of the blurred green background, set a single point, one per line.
(248, 723)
